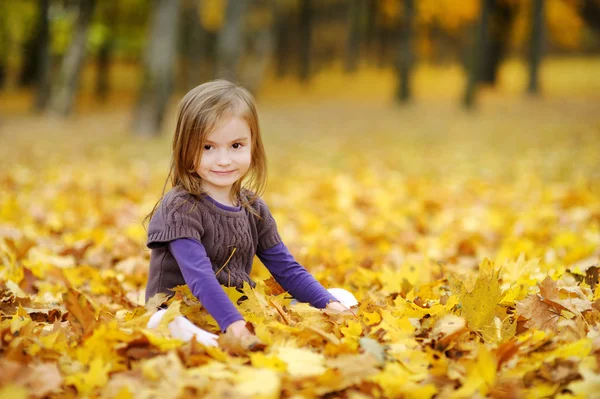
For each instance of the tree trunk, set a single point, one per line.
(282, 38)
(306, 16)
(230, 42)
(44, 66)
(31, 49)
(195, 48)
(405, 52)
(502, 16)
(256, 65)
(535, 48)
(371, 26)
(476, 54)
(159, 62)
(103, 70)
(61, 101)
(590, 12)
(103, 59)
(353, 36)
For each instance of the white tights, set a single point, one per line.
(185, 330)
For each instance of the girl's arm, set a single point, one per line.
(293, 277)
(200, 278)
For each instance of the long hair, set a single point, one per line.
(199, 113)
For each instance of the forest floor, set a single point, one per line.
(470, 239)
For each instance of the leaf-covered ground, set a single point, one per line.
(470, 241)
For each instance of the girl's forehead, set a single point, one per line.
(228, 129)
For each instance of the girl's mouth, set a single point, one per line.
(225, 173)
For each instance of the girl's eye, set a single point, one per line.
(236, 146)
(207, 147)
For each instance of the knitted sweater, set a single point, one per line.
(181, 215)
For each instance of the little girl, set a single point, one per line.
(206, 230)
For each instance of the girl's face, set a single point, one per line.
(226, 157)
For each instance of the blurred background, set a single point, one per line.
(62, 57)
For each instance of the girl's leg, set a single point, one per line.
(184, 329)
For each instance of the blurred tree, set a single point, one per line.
(591, 13)
(31, 47)
(353, 35)
(105, 33)
(159, 62)
(193, 38)
(535, 46)
(502, 17)
(259, 44)
(405, 51)
(44, 65)
(15, 33)
(230, 41)
(284, 28)
(63, 94)
(306, 22)
(478, 46)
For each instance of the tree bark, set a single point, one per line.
(195, 48)
(103, 59)
(282, 30)
(230, 41)
(159, 62)
(61, 101)
(535, 47)
(306, 16)
(476, 54)
(590, 12)
(353, 36)
(502, 16)
(44, 67)
(405, 52)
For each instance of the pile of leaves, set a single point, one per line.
(476, 274)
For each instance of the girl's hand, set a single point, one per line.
(337, 306)
(239, 330)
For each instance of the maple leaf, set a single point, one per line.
(87, 381)
(301, 362)
(541, 314)
(82, 313)
(479, 304)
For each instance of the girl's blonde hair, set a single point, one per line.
(200, 111)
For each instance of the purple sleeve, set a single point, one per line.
(200, 278)
(293, 277)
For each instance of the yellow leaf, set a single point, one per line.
(258, 383)
(302, 362)
(481, 375)
(19, 320)
(353, 329)
(259, 359)
(13, 392)
(86, 382)
(371, 318)
(479, 305)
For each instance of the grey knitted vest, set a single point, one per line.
(220, 231)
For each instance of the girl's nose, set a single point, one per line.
(223, 159)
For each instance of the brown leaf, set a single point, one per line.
(592, 278)
(81, 312)
(506, 351)
(542, 314)
(273, 287)
(548, 288)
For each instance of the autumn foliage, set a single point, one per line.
(474, 260)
